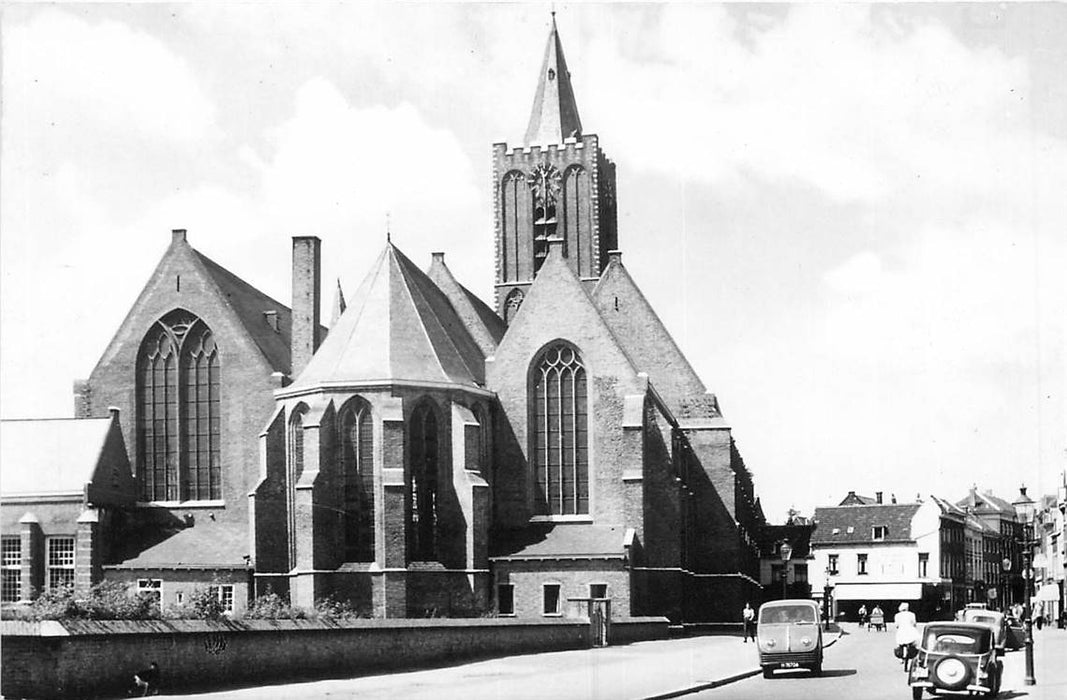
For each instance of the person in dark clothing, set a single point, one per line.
(146, 682)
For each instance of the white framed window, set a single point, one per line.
(879, 532)
(550, 600)
(152, 586)
(60, 562)
(850, 530)
(924, 563)
(831, 563)
(505, 599)
(11, 567)
(225, 594)
(861, 564)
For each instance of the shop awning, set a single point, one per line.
(878, 591)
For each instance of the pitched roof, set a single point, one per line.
(160, 540)
(855, 524)
(986, 503)
(554, 116)
(250, 304)
(398, 327)
(62, 456)
(853, 499)
(484, 325)
(561, 540)
(649, 344)
(797, 535)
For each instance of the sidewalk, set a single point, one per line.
(659, 669)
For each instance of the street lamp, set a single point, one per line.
(785, 551)
(826, 591)
(1024, 511)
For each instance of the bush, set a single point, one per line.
(107, 600)
(272, 607)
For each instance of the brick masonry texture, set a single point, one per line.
(83, 659)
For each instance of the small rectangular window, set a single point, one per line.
(550, 596)
(800, 573)
(11, 584)
(151, 586)
(60, 562)
(505, 599)
(831, 563)
(598, 590)
(776, 572)
(225, 594)
(879, 532)
(861, 564)
(924, 562)
(850, 529)
(179, 598)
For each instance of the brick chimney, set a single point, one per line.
(307, 292)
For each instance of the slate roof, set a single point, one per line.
(50, 456)
(484, 325)
(561, 540)
(798, 536)
(249, 304)
(399, 326)
(862, 519)
(171, 544)
(985, 503)
(554, 116)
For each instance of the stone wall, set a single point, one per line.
(81, 659)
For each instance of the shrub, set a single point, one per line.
(107, 600)
(272, 607)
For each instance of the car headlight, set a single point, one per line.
(770, 644)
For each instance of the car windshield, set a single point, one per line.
(954, 641)
(787, 614)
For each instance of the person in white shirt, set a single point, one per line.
(749, 617)
(907, 633)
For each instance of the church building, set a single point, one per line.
(428, 454)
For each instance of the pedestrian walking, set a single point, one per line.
(863, 615)
(146, 682)
(748, 616)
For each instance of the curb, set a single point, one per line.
(721, 681)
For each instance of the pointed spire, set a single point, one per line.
(338, 304)
(555, 113)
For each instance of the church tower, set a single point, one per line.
(558, 184)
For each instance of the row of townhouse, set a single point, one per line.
(935, 554)
(1050, 559)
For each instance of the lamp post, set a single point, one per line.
(826, 591)
(785, 551)
(1024, 511)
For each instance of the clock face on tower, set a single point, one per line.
(544, 181)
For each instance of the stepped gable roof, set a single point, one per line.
(484, 325)
(554, 116)
(250, 304)
(60, 456)
(650, 345)
(399, 326)
(561, 541)
(855, 524)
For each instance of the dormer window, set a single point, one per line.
(879, 532)
(850, 530)
(551, 74)
(837, 531)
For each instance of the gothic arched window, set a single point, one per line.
(294, 467)
(512, 302)
(561, 431)
(357, 465)
(178, 411)
(515, 216)
(422, 484)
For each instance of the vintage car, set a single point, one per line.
(956, 657)
(788, 635)
(996, 621)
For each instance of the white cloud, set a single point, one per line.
(69, 76)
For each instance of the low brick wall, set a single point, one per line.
(97, 658)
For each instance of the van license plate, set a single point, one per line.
(790, 664)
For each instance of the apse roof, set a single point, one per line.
(398, 326)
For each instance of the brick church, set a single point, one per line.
(428, 453)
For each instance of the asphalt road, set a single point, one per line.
(861, 666)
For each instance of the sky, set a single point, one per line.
(852, 218)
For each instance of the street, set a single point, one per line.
(858, 665)
(861, 665)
